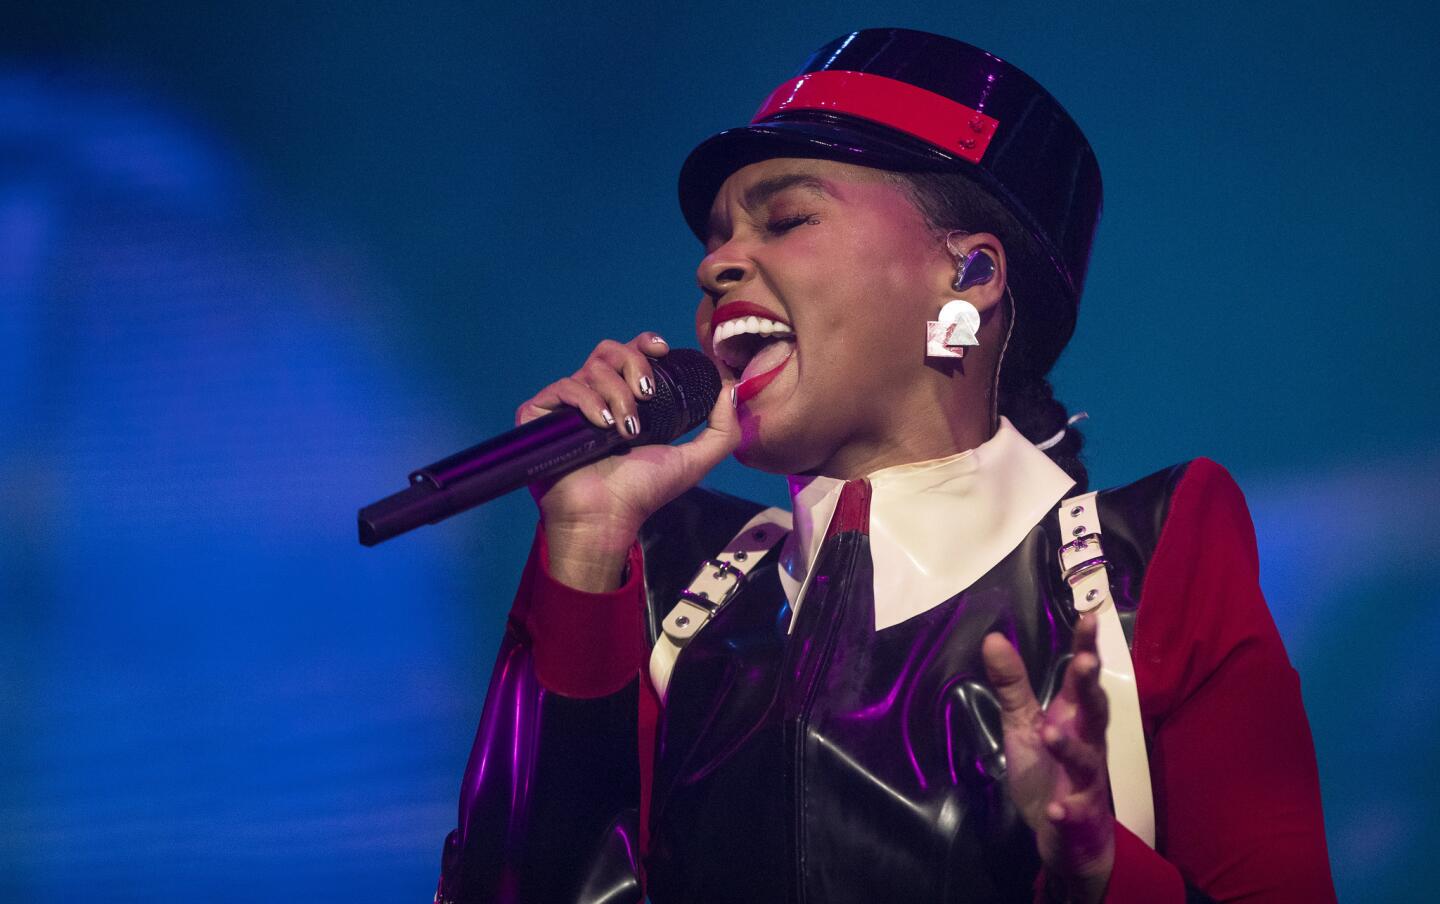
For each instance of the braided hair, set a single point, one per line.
(949, 201)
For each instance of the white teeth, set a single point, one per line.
(748, 326)
(745, 326)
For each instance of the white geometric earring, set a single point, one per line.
(955, 328)
(959, 321)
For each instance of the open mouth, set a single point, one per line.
(754, 347)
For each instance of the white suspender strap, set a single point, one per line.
(1083, 564)
(714, 585)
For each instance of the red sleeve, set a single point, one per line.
(1237, 793)
(584, 644)
(590, 645)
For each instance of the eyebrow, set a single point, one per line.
(762, 191)
(766, 189)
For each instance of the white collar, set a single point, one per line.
(935, 526)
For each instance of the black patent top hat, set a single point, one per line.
(909, 101)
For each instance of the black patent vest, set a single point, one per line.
(834, 763)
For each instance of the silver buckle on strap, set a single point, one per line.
(723, 571)
(720, 581)
(1074, 561)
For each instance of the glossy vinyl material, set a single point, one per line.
(678, 538)
(614, 869)
(1038, 163)
(548, 803)
(532, 810)
(840, 764)
(829, 764)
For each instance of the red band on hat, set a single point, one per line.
(933, 118)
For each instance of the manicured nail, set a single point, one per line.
(632, 426)
(609, 418)
(647, 388)
(658, 340)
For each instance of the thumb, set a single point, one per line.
(719, 438)
(1006, 671)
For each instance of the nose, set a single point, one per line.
(722, 270)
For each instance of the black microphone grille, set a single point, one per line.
(686, 387)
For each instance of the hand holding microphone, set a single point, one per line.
(624, 397)
(631, 382)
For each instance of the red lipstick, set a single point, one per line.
(746, 390)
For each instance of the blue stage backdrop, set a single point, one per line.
(256, 264)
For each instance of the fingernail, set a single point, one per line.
(647, 388)
(656, 338)
(733, 397)
(609, 418)
(632, 426)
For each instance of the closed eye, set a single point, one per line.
(785, 224)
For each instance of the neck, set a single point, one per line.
(859, 460)
(945, 414)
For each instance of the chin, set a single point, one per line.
(764, 447)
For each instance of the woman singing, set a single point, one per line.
(949, 673)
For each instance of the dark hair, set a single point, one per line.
(950, 201)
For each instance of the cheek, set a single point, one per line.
(873, 299)
(703, 312)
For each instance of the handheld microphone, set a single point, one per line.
(686, 387)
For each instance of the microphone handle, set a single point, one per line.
(553, 444)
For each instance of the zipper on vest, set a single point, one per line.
(837, 585)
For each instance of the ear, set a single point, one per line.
(985, 296)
